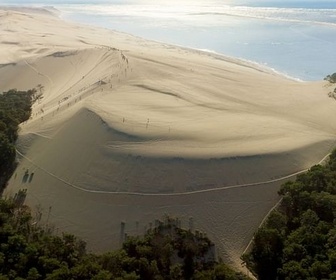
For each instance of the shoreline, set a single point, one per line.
(212, 53)
(302, 75)
(239, 60)
(251, 62)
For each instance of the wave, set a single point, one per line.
(297, 15)
(191, 12)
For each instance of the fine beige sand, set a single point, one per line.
(129, 130)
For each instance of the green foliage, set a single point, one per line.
(15, 108)
(298, 241)
(331, 78)
(166, 252)
(35, 254)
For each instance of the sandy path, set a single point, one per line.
(281, 179)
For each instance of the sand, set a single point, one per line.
(129, 130)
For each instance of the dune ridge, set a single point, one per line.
(129, 130)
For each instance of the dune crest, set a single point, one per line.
(129, 129)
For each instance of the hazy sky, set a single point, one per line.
(275, 3)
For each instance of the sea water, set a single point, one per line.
(296, 38)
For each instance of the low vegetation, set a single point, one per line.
(15, 108)
(298, 241)
(28, 251)
(331, 78)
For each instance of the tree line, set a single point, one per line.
(298, 240)
(15, 108)
(166, 252)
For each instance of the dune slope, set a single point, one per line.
(129, 130)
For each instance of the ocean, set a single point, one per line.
(295, 38)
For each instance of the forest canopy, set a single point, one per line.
(32, 252)
(298, 240)
(15, 108)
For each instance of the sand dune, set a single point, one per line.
(130, 130)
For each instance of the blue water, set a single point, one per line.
(296, 38)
